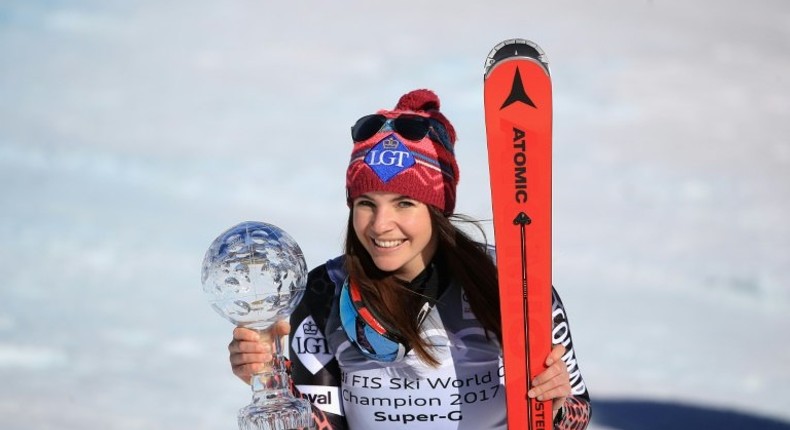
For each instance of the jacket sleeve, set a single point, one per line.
(576, 412)
(314, 370)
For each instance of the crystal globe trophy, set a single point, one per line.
(254, 274)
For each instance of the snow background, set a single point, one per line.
(132, 133)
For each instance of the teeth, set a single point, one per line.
(387, 243)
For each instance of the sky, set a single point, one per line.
(133, 133)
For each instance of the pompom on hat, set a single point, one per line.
(424, 169)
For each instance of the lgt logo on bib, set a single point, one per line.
(311, 346)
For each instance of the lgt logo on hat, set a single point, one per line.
(389, 157)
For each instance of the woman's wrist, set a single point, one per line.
(559, 414)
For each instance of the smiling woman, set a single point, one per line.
(396, 231)
(408, 318)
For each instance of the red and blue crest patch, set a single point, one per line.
(389, 157)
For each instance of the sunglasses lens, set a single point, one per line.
(378, 346)
(369, 342)
(411, 127)
(366, 127)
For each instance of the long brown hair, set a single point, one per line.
(396, 304)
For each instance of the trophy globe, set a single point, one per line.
(254, 274)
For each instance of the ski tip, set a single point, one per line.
(511, 48)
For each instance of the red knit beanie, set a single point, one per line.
(424, 170)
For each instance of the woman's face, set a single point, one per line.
(396, 231)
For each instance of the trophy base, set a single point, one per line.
(278, 413)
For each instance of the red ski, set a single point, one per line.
(518, 128)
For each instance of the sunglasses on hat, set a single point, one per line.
(409, 126)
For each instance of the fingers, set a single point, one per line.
(241, 333)
(249, 352)
(554, 382)
(281, 328)
(555, 355)
(242, 358)
(246, 371)
(550, 387)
